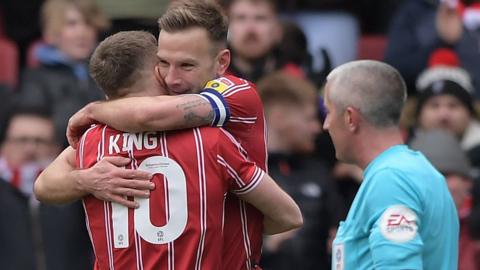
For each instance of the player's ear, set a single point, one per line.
(157, 74)
(352, 119)
(222, 61)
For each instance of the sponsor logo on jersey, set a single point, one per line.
(217, 85)
(398, 224)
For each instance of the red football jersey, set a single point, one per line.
(180, 225)
(239, 109)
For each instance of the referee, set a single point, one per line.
(403, 216)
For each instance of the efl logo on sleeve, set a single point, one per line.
(338, 255)
(217, 85)
(399, 224)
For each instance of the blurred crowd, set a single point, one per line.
(286, 48)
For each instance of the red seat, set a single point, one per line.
(32, 60)
(9, 63)
(372, 47)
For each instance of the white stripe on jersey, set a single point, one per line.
(170, 247)
(256, 179)
(82, 166)
(82, 147)
(87, 222)
(241, 121)
(243, 152)
(203, 197)
(230, 93)
(138, 239)
(109, 237)
(246, 237)
(140, 257)
(102, 155)
(137, 252)
(106, 208)
(235, 87)
(265, 134)
(231, 171)
(252, 118)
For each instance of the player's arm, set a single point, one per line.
(394, 246)
(280, 211)
(61, 183)
(138, 114)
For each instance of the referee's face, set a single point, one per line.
(188, 60)
(335, 126)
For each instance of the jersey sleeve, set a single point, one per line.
(233, 103)
(87, 152)
(243, 174)
(394, 211)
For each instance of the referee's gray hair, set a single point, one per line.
(374, 88)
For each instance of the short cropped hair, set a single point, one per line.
(118, 60)
(185, 14)
(283, 89)
(272, 3)
(53, 14)
(376, 89)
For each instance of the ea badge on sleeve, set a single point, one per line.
(399, 224)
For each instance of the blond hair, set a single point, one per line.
(53, 14)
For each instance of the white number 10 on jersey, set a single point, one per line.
(177, 207)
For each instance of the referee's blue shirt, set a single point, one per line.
(402, 217)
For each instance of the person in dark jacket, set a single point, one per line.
(291, 115)
(34, 235)
(421, 26)
(61, 82)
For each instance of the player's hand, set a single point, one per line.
(78, 124)
(108, 181)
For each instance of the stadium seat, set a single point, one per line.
(9, 60)
(32, 61)
(372, 47)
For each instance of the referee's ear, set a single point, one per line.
(222, 62)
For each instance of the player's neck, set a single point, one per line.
(374, 143)
(146, 86)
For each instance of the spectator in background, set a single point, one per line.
(6, 96)
(35, 236)
(70, 29)
(291, 116)
(254, 33)
(293, 54)
(443, 150)
(421, 26)
(134, 15)
(445, 101)
(294, 57)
